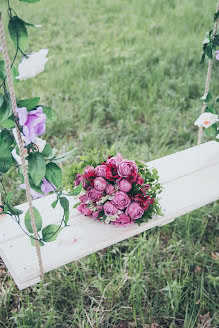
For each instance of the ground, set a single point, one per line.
(128, 73)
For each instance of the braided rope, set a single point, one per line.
(208, 80)
(20, 143)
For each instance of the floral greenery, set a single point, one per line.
(43, 168)
(210, 44)
(96, 158)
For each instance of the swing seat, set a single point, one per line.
(190, 179)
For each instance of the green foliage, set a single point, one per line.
(65, 156)
(28, 103)
(2, 70)
(30, 1)
(37, 167)
(50, 233)
(54, 174)
(37, 218)
(6, 140)
(49, 113)
(9, 207)
(5, 108)
(18, 32)
(65, 205)
(212, 130)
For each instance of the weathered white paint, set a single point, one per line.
(190, 179)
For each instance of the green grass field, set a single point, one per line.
(123, 72)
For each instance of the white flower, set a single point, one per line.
(33, 65)
(206, 119)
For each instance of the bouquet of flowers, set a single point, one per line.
(118, 191)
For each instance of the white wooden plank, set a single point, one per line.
(169, 168)
(86, 236)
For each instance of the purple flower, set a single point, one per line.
(110, 208)
(33, 123)
(100, 184)
(217, 54)
(121, 200)
(124, 185)
(46, 187)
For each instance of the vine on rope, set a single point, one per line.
(209, 118)
(44, 173)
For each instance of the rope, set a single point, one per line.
(208, 80)
(20, 143)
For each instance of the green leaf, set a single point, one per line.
(10, 208)
(65, 156)
(49, 113)
(38, 220)
(2, 70)
(217, 99)
(207, 97)
(210, 109)
(54, 203)
(5, 109)
(216, 16)
(54, 174)
(208, 50)
(37, 167)
(202, 59)
(15, 73)
(32, 241)
(212, 130)
(76, 191)
(1, 99)
(47, 151)
(5, 154)
(8, 123)
(65, 205)
(36, 188)
(30, 1)
(51, 232)
(7, 137)
(18, 32)
(28, 103)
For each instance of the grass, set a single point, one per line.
(127, 73)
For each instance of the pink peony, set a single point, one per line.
(84, 209)
(121, 200)
(89, 170)
(100, 184)
(110, 208)
(95, 214)
(134, 211)
(115, 160)
(109, 189)
(94, 195)
(128, 169)
(80, 178)
(100, 170)
(33, 123)
(124, 185)
(123, 220)
(83, 198)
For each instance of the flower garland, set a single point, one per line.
(45, 174)
(115, 190)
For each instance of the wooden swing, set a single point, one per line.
(189, 179)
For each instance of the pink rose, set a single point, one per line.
(84, 209)
(121, 200)
(95, 214)
(110, 209)
(100, 170)
(89, 170)
(115, 160)
(83, 198)
(80, 178)
(123, 220)
(100, 184)
(109, 189)
(94, 195)
(134, 211)
(124, 185)
(127, 169)
(140, 180)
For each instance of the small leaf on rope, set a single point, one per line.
(208, 50)
(37, 167)
(51, 232)
(212, 130)
(210, 109)
(206, 97)
(38, 220)
(54, 174)
(54, 203)
(65, 205)
(5, 109)
(18, 32)
(64, 156)
(216, 16)
(202, 59)
(32, 241)
(28, 103)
